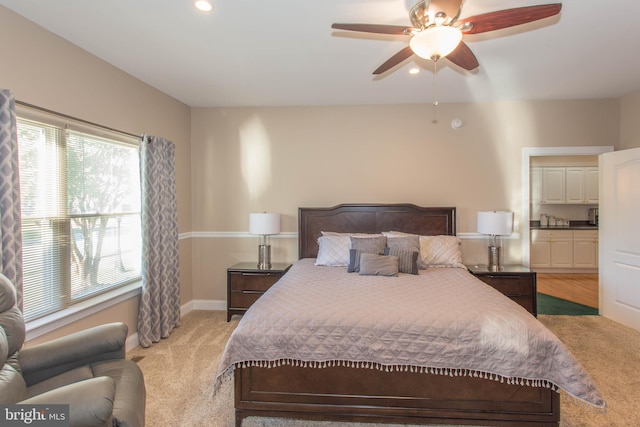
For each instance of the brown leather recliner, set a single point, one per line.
(86, 370)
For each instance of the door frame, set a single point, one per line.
(527, 153)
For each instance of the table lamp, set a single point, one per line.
(264, 224)
(495, 223)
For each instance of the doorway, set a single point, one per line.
(527, 155)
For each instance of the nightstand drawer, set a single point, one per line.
(252, 281)
(244, 299)
(246, 283)
(510, 285)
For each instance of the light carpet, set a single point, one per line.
(179, 374)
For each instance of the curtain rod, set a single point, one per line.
(66, 116)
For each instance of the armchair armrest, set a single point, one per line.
(54, 357)
(90, 401)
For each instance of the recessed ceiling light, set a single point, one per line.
(204, 5)
(414, 70)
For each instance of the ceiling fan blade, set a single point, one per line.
(374, 28)
(463, 57)
(394, 60)
(451, 8)
(507, 18)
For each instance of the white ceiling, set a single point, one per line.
(284, 52)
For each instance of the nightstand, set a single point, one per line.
(515, 281)
(246, 283)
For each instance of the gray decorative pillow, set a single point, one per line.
(407, 260)
(354, 260)
(407, 242)
(372, 245)
(378, 265)
(360, 245)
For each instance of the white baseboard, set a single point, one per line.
(203, 304)
(131, 342)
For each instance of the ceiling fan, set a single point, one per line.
(437, 32)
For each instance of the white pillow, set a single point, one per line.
(333, 251)
(440, 251)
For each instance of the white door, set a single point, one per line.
(620, 236)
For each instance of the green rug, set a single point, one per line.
(551, 305)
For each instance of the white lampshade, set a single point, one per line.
(435, 42)
(264, 223)
(497, 223)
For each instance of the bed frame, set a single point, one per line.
(369, 395)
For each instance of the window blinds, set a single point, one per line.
(80, 196)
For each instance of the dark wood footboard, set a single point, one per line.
(371, 395)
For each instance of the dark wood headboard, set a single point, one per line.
(371, 218)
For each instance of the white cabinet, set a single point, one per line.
(540, 252)
(591, 183)
(564, 249)
(574, 181)
(564, 185)
(553, 185)
(585, 249)
(581, 185)
(551, 248)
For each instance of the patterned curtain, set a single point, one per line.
(10, 212)
(160, 302)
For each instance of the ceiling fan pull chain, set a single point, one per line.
(435, 98)
(435, 73)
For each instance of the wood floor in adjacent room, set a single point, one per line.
(576, 287)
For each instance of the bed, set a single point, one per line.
(357, 366)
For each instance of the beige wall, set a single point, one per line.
(277, 159)
(45, 70)
(630, 121)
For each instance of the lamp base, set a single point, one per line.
(494, 258)
(264, 257)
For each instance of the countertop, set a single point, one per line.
(573, 225)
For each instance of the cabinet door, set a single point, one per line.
(540, 249)
(591, 194)
(561, 252)
(575, 185)
(540, 254)
(585, 249)
(553, 182)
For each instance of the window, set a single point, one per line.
(80, 194)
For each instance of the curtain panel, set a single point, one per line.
(160, 301)
(10, 211)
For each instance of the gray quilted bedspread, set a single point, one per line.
(443, 319)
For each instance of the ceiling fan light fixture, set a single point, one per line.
(435, 42)
(203, 5)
